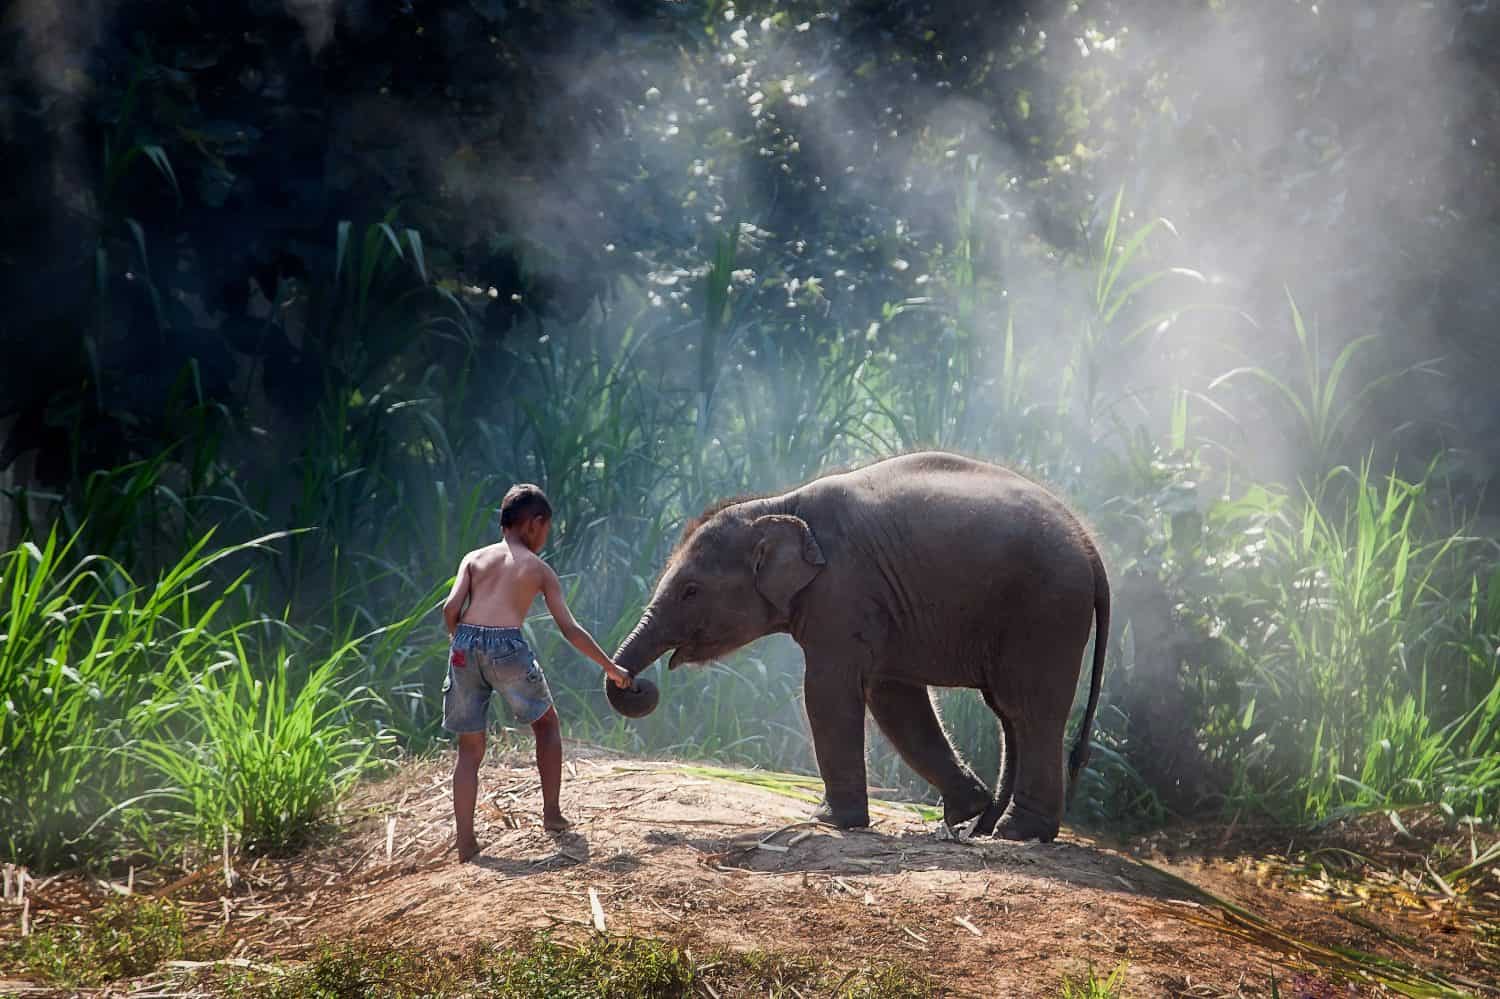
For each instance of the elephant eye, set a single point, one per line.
(689, 591)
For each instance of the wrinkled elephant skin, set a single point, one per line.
(924, 570)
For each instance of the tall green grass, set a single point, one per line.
(1367, 644)
(243, 747)
(129, 707)
(82, 645)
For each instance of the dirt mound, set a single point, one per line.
(709, 857)
(717, 859)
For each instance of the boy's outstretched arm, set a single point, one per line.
(573, 631)
(453, 607)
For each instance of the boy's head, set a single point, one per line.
(525, 510)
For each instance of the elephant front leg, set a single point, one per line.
(836, 713)
(907, 716)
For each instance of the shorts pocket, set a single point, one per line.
(447, 683)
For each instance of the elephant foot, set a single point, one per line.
(964, 806)
(986, 823)
(846, 817)
(1022, 823)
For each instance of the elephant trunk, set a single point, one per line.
(641, 647)
(639, 650)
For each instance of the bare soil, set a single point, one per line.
(718, 864)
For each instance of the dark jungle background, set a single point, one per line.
(294, 290)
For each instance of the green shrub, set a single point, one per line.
(130, 937)
(82, 646)
(251, 750)
(598, 968)
(128, 705)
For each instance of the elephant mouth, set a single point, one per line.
(690, 655)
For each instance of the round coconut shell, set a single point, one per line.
(635, 701)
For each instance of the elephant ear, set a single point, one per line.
(786, 558)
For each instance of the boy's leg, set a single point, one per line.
(466, 790)
(548, 732)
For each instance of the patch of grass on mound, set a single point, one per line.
(609, 968)
(762, 973)
(350, 971)
(128, 938)
(1091, 986)
(599, 968)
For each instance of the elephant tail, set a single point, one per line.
(1079, 757)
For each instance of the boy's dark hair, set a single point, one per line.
(523, 502)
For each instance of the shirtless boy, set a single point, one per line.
(489, 653)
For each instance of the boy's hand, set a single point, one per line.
(618, 676)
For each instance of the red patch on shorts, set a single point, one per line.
(457, 658)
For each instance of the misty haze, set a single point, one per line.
(297, 291)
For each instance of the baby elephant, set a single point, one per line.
(924, 570)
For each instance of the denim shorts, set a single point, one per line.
(482, 660)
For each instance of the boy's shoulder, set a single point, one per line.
(519, 556)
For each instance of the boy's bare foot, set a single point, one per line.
(556, 823)
(467, 850)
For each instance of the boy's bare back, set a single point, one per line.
(503, 580)
(494, 588)
(495, 585)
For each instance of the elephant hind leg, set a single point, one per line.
(905, 713)
(1036, 806)
(1005, 781)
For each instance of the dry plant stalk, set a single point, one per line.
(964, 922)
(598, 910)
(228, 868)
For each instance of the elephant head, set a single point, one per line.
(732, 580)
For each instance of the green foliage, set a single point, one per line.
(1112, 793)
(80, 644)
(127, 705)
(237, 748)
(350, 971)
(618, 969)
(607, 968)
(1358, 634)
(1091, 986)
(128, 938)
(1323, 409)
